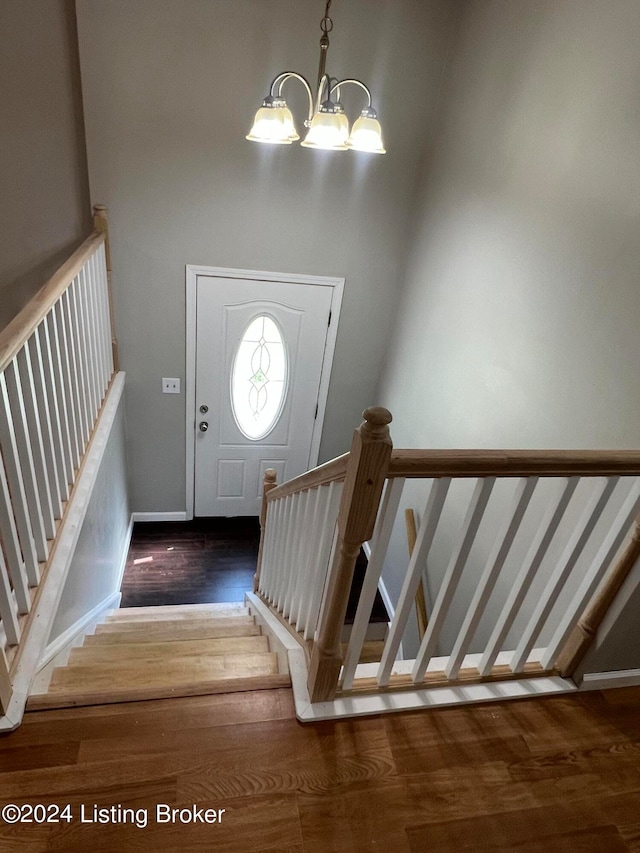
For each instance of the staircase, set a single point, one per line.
(154, 652)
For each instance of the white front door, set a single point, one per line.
(260, 356)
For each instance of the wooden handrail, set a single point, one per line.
(585, 631)
(421, 602)
(513, 463)
(19, 330)
(335, 469)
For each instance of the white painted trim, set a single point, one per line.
(603, 680)
(192, 272)
(125, 552)
(68, 534)
(79, 627)
(381, 703)
(190, 389)
(178, 515)
(386, 598)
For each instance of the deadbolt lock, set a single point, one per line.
(204, 409)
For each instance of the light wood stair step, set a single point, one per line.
(176, 628)
(159, 633)
(153, 610)
(168, 672)
(156, 653)
(113, 652)
(178, 613)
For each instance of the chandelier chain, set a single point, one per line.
(326, 24)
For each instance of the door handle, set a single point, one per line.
(204, 426)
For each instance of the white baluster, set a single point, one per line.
(489, 577)
(280, 564)
(301, 578)
(99, 324)
(293, 528)
(7, 606)
(379, 547)
(310, 543)
(452, 576)
(406, 601)
(575, 546)
(82, 402)
(268, 532)
(594, 574)
(11, 545)
(88, 342)
(48, 492)
(65, 385)
(531, 563)
(60, 436)
(105, 310)
(320, 563)
(24, 459)
(75, 401)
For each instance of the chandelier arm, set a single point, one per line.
(282, 78)
(351, 80)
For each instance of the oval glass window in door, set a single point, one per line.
(259, 378)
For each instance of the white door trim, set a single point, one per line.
(192, 272)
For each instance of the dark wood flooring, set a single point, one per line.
(549, 775)
(191, 562)
(207, 560)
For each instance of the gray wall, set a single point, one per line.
(98, 560)
(44, 192)
(518, 323)
(170, 88)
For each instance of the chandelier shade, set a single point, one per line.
(327, 125)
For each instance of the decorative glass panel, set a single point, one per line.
(259, 378)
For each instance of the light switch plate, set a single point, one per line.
(170, 386)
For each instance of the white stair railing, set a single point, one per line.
(299, 523)
(56, 366)
(521, 570)
(583, 555)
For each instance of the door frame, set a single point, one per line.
(192, 273)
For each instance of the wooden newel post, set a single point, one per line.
(585, 631)
(366, 472)
(268, 483)
(101, 225)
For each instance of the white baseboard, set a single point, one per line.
(159, 516)
(604, 680)
(54, 648)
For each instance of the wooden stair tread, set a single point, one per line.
(178, 613)
(139, 625)
(187, 650)
(160, 632)
(106, 652)
(167, 673)
(152, 610)
(110, 695)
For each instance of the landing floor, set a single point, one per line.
(555, 774)
(191, 562)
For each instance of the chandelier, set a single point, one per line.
(327, 123)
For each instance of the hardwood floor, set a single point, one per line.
(554, 774)
(191, 562)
